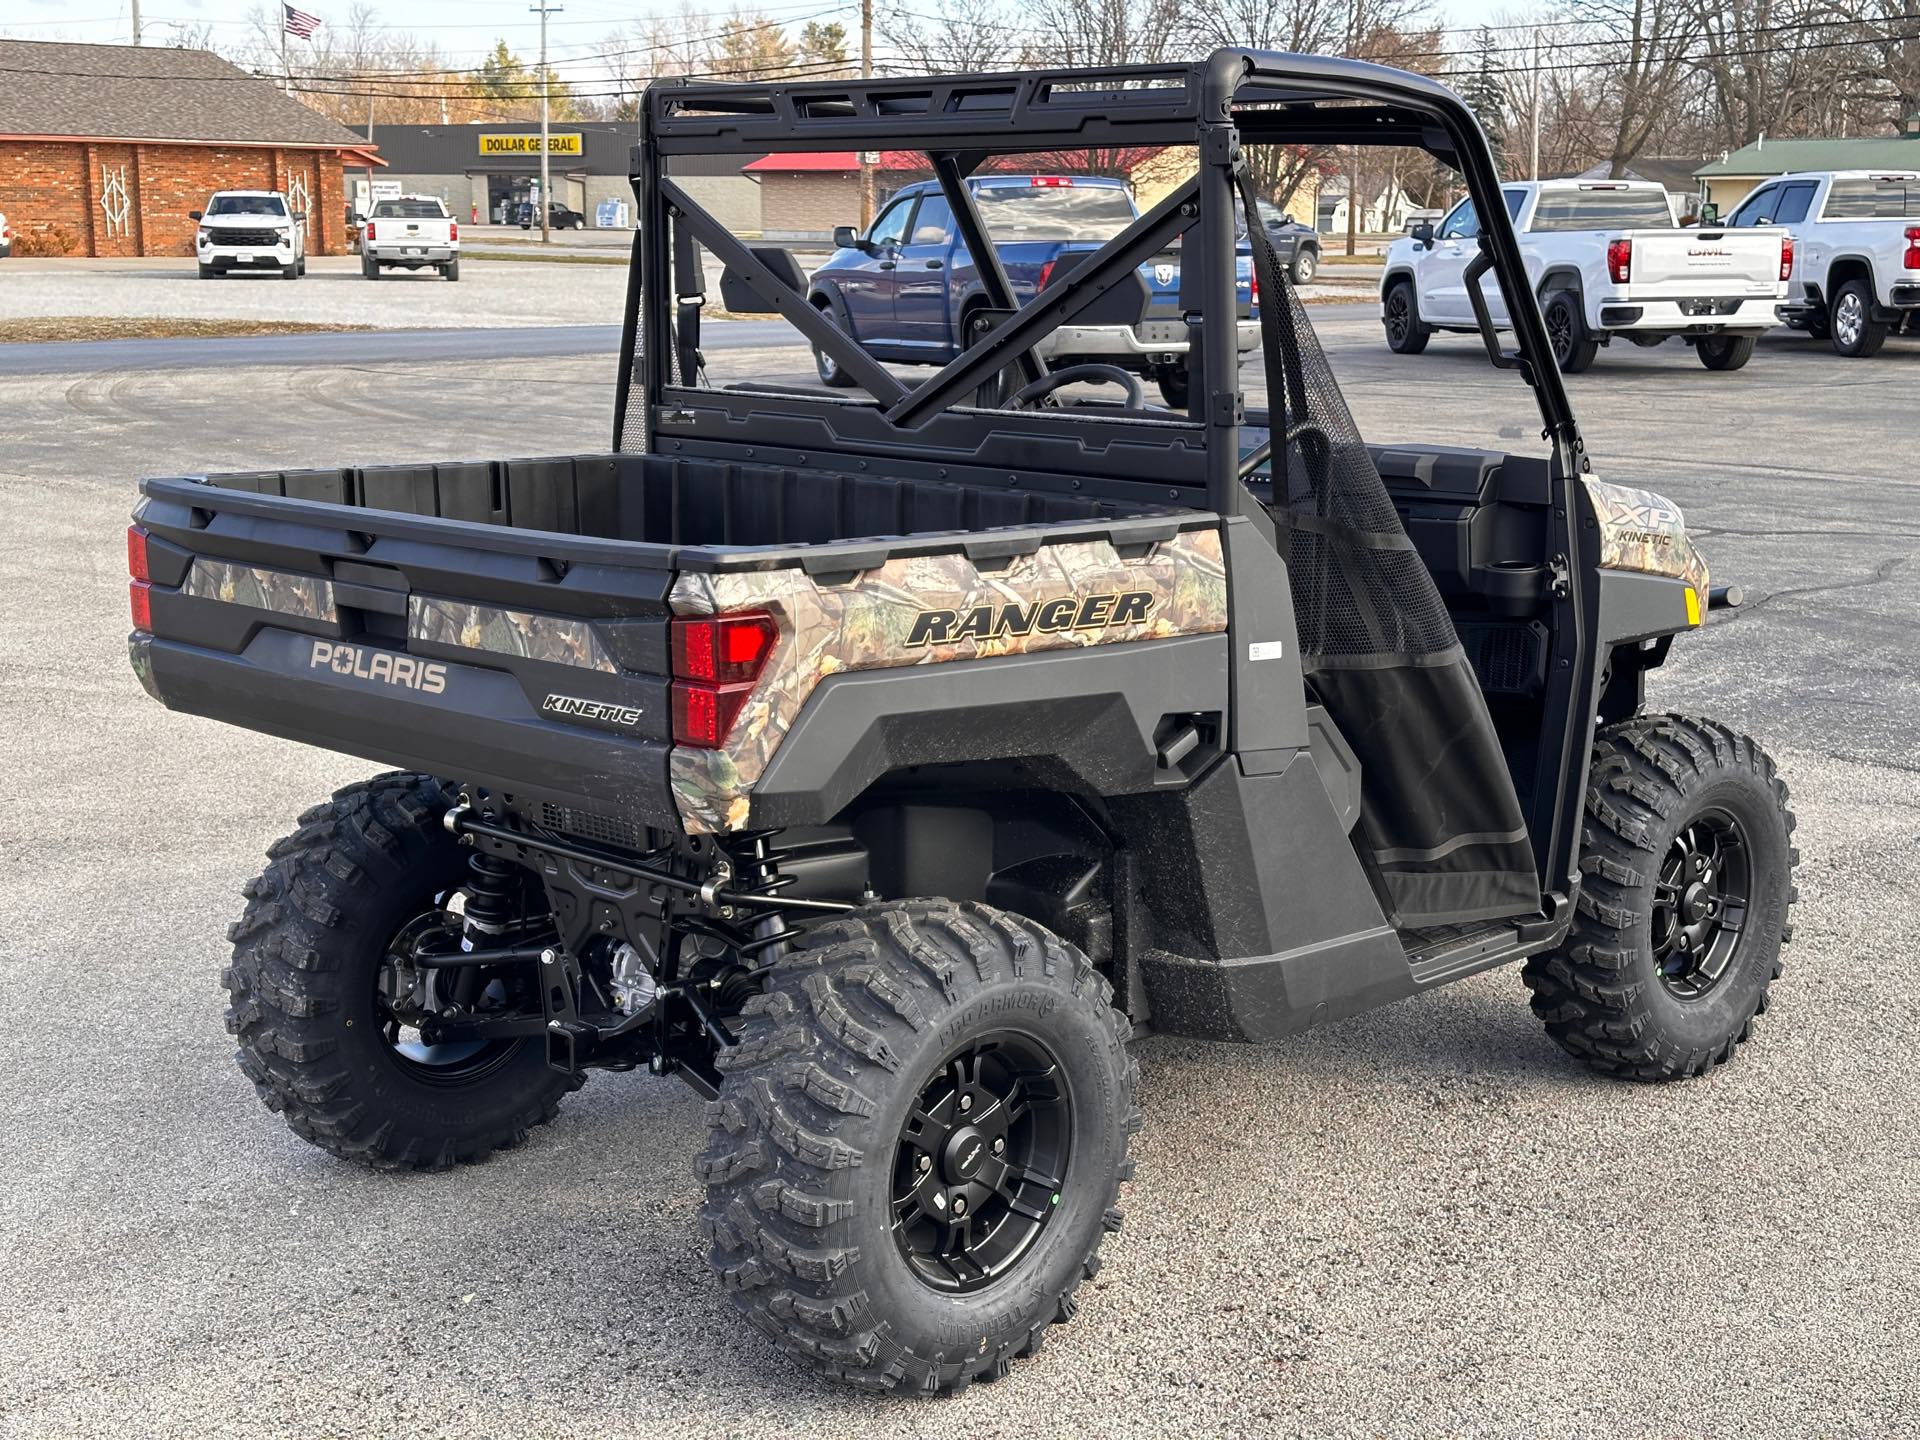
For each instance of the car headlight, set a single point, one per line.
(201, 238)
(286, 236)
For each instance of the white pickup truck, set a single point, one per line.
(412, 233)
(255, 230)
(1856, 235)
(1605, 258)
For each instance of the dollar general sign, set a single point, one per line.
(567, 144)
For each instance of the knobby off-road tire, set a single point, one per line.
(1671, 799)
(304, 979)
(810, 1156)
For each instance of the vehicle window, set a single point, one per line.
(1594, 209)
(1054, 211)
(247, 205)
(891, 227)
(1876, 198)
(1795, 201)
(409, 210)
(1756, 207)
(933, 225)
(1515, 199)
(1462, 224)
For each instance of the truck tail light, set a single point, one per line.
(1912, 258)
(1786, 257)
(453, 230)
(1046, 274)
(717, 662)
(367, 232)
(139, 590)
(1620, 260)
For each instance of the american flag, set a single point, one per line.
(299, 23)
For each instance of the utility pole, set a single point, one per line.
(866, 73)
(136, 21)
(546, 94)
(1536, 104)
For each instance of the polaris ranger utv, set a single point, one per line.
(881, 763)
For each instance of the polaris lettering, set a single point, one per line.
(382, 665)
(1044, 617)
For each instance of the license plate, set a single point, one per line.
(415, 250)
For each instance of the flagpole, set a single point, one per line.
(286, 70)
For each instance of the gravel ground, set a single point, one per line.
(1423, 1221)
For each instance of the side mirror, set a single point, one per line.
(300, 216)
(195, 215)
(1709, 213)
(845, 237)
(1423, 234)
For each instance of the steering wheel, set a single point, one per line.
(1026, 396)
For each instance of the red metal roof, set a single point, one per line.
(826, 161)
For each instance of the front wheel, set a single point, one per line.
(1400, 313)
(1305, 266)
(207, 272)
(919, 1144)
(1687, 858)
(1726, 352)
(830, 370)
(329, 1038)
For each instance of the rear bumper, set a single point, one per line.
(383, 254)
(1689, 315)
(1145, 344)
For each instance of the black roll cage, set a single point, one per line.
(1231, 99)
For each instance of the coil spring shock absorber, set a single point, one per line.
(756, 866)
(490, 893)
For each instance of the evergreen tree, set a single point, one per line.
(1482, 91)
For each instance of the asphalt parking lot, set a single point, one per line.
(1423, 1221)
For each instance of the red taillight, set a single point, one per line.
(137, 553)
(717, 660)
(1786, 257)
(1912, 259)
(140, 598)
(1051, 180)
(1620, 260)
(1253, 287)
(367, 234)
(1046, 274)
(453, 230)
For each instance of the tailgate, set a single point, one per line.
(1702, 264)
(441, 640)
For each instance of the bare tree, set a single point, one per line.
(954, 35)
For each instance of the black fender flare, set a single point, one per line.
(1394, 277)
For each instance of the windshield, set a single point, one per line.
(247, 205)
(1601, 210)
(409, 210)
(1891, 198)
(1054, 211)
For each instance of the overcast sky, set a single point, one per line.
(464, 29)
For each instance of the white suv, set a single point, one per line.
(250, 230)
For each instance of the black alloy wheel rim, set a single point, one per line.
(981, 1160)
(444, 1063)
(1560, 331)
(1700, 905)
(1399, 320)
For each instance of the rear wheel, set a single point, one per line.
(1573, 349)
(451, 269)
(1687, 858)
(1176, 388)
(369, 268)
(919, 1144)
(1400, 312)
(1726, 352)
(1853, 330)
(354, 1067)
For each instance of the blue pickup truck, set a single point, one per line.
(908, 291)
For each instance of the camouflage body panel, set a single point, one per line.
(308, 596)
(1642, 531)
(559, 639)
(878, 621)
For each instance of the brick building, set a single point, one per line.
(104, 149)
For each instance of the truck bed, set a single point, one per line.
(506, 621)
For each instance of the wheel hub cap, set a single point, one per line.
(1700, 905)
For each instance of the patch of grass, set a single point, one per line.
(39, 330)
(547, 257)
